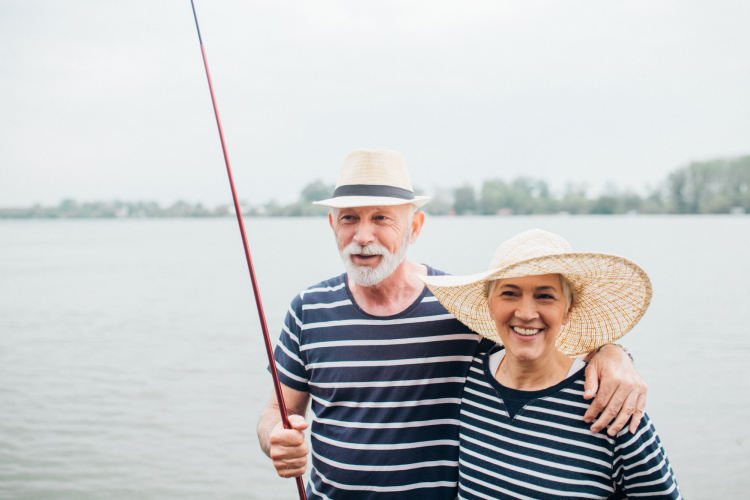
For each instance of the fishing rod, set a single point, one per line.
(250, 268)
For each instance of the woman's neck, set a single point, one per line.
(533, 375)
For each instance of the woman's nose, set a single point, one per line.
(526, 309)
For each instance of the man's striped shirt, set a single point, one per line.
(386, 393)
(547, 450)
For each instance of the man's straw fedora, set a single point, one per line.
(611, 293)
(371, 178)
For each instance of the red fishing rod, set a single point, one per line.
(250, 268)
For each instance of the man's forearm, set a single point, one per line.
(268, 420)
(589, 356)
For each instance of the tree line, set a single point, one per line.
(72, 209)
(709, 187)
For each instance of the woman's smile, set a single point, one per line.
(527, 334)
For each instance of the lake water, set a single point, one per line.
(132, 365)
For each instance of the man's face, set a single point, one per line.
(372, 240)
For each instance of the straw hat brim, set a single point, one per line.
(370, 201)
(611, 295)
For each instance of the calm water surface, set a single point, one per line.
(132, 366)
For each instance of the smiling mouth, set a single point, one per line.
(526, 332)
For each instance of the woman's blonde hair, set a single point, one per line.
(567, 288)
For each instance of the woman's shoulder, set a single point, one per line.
(569, 392)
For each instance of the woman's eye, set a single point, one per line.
(546, 296)
(507, 294)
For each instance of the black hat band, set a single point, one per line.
(373, 190)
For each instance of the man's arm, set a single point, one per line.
(286, 447)
(619, 389)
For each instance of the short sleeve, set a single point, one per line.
(640, 466)
(289, 364)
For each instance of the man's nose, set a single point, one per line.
(365, 234)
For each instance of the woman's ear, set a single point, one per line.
(566, 316)
(489, 308)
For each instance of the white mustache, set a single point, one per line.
(371, 249)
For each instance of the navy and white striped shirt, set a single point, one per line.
(386, 393)
(547, 450)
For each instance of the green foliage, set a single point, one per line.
(71, 209)
(496, 195)
(710, 187)
(439, 204)
(465, 201)
(316, 191)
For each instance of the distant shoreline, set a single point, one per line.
(720, 186)
(445, 216)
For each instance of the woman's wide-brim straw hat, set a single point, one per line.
(372, 178)
(611, 293)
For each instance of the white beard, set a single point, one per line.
(371, 276)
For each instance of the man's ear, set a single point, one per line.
(330, 218)
(416, 226)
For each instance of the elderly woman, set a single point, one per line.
(522, 428)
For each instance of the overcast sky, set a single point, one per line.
(103, 100)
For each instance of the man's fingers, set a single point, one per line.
(600, 402)
(284, 470)
(290, 463)
(591, 384)
(640, 408)
(287, 437)
(627, 411)
(295, 450)
(280, 451)
(298, 422)
(290, 467)
(611, 410)
(289, 473)
(619, 388)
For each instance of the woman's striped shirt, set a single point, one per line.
(547, 450)
(386, 393)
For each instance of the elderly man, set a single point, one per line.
(384, 362)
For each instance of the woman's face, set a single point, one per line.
(529, 313)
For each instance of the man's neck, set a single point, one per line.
(392, 295)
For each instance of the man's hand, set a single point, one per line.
(289, 448)
(619, 389)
